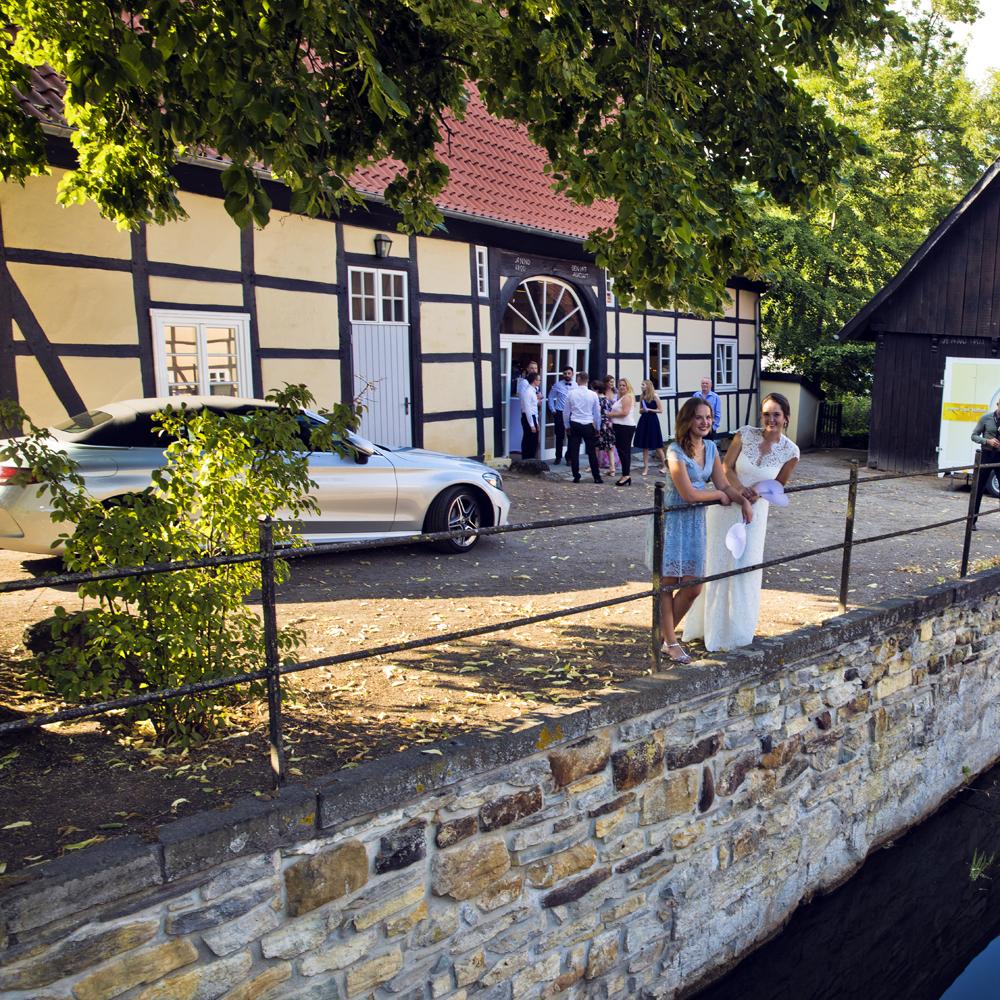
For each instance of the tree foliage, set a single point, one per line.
(928, 133)
(221, 473)
(664, 106)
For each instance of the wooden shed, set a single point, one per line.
(944, 303)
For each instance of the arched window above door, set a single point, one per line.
(545, 307)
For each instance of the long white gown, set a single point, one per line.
(725, 613)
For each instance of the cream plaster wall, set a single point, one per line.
(633, 370)
(747, 338)
(485, 331)
(297, 319)
(748, 303)
(487, 384)
(630, 331)
(690, 374)
(444, 267)
(79, 305)
(448, 387)
(105, 380)
(454, 437)
(204, 293)
(694, 336)
(207, 238)
(445, 327)
(295, 246)
(36, 395)
(660, 324)
(320, 375)
(730, 308)
(361, 240)
(33, 220)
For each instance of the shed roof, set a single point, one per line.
(857, 327)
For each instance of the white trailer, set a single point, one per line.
(971, 388)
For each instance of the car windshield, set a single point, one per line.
(84, 421)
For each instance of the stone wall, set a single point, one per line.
(630, 848)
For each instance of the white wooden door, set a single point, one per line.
(381, 353)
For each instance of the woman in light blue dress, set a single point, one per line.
(695, 468)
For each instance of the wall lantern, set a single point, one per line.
(382, 246)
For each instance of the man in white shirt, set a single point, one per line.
(582, 417)
(557, 403)
(528, 395)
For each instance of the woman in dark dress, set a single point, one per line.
(648, 435)
(607, 397)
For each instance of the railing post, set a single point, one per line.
(845, 566)
(967, 543)
(269, 610)
(657, 571)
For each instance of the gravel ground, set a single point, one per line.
(74, 783)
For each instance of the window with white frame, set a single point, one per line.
(201, 354)
(609, 289)
(377, 296)
(725, 364)
(482, 273)
(661, 354)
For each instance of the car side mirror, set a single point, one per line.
(361, 457)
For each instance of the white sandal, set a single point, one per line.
(683, 658)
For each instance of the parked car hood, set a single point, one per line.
(436, 460)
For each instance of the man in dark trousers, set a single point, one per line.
(582, 417)
(528, 395)
(987, 434)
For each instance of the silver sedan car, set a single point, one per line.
(375, 492)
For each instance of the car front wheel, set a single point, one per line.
(455, 510)
(993, 483)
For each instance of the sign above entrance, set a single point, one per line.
(521, 265)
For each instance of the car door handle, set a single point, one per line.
(406, 405)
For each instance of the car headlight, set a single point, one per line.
(493, 478)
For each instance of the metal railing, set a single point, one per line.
(267, 556)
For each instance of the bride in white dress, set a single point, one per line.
(725, 614)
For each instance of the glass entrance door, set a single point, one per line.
(556, 359)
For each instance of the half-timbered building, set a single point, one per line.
(437, 327)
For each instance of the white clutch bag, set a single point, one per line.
(772, 491)
(736, 539)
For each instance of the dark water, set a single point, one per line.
(910, 925)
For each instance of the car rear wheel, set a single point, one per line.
(454, 510)
(993, 483)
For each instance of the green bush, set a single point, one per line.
(856, 415)
(221, 473)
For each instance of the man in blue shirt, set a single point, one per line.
(557, 403)
(713, 400)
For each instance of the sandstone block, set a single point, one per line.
(503, 891)
(467, 870)
(324, 877)
(404, 923)
(608, 824)
(220, 912)
(580, 759)
(368, 975)
(547, 872)
(264, 986)
(686, 837)
(246, 871)
(77, 953)
(674, 797)
(613, 806)
(204, 982)
(637, 763)
(469, 969)
(629, 844)
(544, 971)
(508, 808)
(440, 926)
(296, 936)
(588, 784)
(782, 753)
(681, 757)
(503, 970)
(893, 683)
(371, 916)
(571, 891)
(453, 830)
(603, 955)
(230, 937)
(339, 955)
(135, 969)
(613, 914)
(734, 774)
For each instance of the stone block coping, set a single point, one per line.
(187, 846)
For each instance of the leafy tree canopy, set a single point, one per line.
(928, 134)
(662, 105)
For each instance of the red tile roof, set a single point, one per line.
(497, 172)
